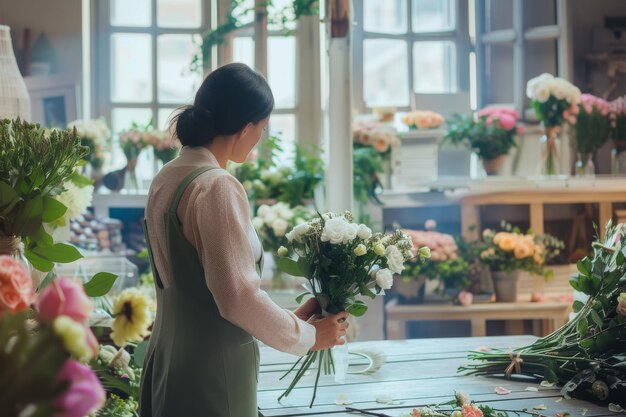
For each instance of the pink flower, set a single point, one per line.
(537, 297)
(64, 297)
(506, 121)
(415, 413)
(466, 298)
(470, 410)
(16, 286)
(502, 391)
(430, 224)
(84, 393)
(482, 349)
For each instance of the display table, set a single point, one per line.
(416, 372)
(553, 314)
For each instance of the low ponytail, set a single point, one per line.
(193, 126)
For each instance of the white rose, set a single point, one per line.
(285, 212)
(384, 278)
(364, 232)
(280, 227)
(270, 216)
(298, 220)
(395, 259)
(542, 94)
(258, 223)
(263, 210)
(338, 230)
(379, 249)
(297, 232)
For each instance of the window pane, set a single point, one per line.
(434, 67)
(246, 6)
(131, 67)
(122, 119)
(281, 68)
(278, 9)
(179, 13)
(389, 16)
(243, 50)
(385, 73)
(131, 13)
(165, 116)
(176, 83)
(284, 127)
(499, 14)
(499, 66)
(539, 13)
(433, 15)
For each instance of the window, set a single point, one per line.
(145, 47)
(408, 51)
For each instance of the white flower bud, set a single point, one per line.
(282, 251)
(360, 250)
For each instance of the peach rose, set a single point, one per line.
(523, 250)
(16, 286)
(64, 297)
(381, 145)
(507, 243)
(465, 298)
(470, 410)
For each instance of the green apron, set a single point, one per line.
(198, 364)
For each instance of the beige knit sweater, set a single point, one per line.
(215, 215)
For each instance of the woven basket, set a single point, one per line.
(14, 98)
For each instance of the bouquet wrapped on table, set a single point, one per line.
(342, 260)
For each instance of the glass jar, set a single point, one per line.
(550, 150)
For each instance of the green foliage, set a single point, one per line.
(368, 163)
(592, 131)
(488, 141)
(550, 113)
(34, 165)
(100, 284)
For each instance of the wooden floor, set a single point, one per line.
(416, 372)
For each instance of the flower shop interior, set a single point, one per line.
(479, 146)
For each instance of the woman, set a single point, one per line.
(203, 359)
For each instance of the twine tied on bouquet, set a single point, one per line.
(516, 363)
(9, 245)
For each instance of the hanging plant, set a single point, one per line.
(281, 19)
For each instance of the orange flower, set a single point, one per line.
(16, 286)
(470, 410)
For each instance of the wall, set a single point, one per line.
(59, 19)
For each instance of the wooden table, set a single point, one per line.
(553, 314)
(416, 372)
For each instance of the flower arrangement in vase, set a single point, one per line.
(617, 112)
(342, 260)
(555, 100)
(35, 166)
(509, 251)
(491, 134)
(42, 352)
(164, 145)
(422, 119)
(381, 137)
(95, 135)
(445, 265)
(132, 142)
(592, 131)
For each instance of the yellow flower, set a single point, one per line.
(523, 250)
(132, 315)
(379, 249)
(73, 336)
(507, 243)
(360, 250)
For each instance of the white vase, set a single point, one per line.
(14, 97)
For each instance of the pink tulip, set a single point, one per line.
(64, 297)
(84, 393)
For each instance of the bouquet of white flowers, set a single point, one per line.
(554, 99)
(342, 260)
(95, 134)
(273, 222)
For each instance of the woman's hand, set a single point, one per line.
(310, 308)
(329, 330)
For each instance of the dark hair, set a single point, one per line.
(228, 99)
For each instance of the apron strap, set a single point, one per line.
(155, 273)
(183, 186)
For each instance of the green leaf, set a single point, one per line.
(584, 266)
(51, 276)
(357, 310)
(28, 217)
(604, 340)
(100, 284)
(574, 283)
(595, 317)
(289, 266)
(305, 266)
(59, 252)
(8, 198)
(52, 209)
(578, 305)
(301, 296)
(41, 264)
(586, 344)
(366, 291)
(582, 327)
(80, 180)
(550, 376)
(140, 353)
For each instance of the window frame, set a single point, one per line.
(459, 36)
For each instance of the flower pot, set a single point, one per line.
(494, 166)
(506, 284)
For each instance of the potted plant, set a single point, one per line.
(508, 252)
(491, 134)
